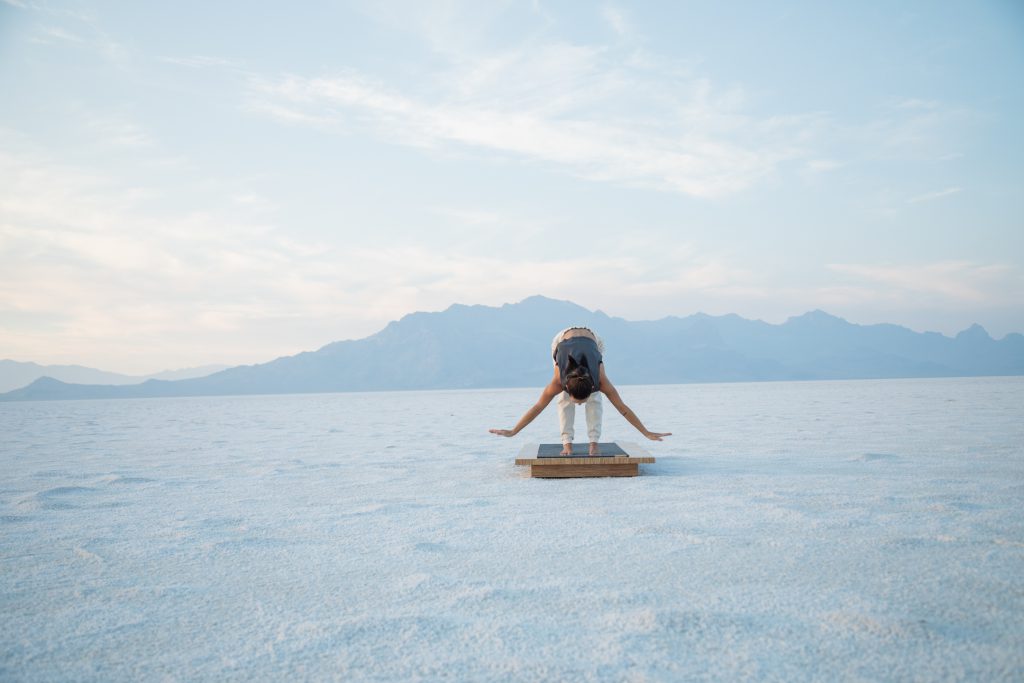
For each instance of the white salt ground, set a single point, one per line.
(789, 531)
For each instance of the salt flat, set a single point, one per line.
(868, 530)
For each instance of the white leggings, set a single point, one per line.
(567, 416)
(566, 407)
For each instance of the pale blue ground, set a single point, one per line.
(867, 530)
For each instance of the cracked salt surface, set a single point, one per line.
(789, 531)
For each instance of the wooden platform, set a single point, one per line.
(618, 459)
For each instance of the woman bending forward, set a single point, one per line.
(579, 378)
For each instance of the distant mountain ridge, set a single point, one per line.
(468, 347)
(16, 374)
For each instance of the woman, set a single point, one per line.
(579, 378)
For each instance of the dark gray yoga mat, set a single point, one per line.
(554, 450)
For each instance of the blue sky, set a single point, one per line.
(194, 182)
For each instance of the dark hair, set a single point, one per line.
(579, 383)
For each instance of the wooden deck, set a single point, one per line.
(626, 465)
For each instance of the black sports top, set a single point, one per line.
(579, 351)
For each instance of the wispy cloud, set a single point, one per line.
(48, 9)
(693, 155)
(291, 114)
(931, 196)
(75, 28)
(913, 129)
(615, 17)
(50, 34)
(823, 165)
(119, 131)
(604, 112)
(945, 283)
(200, 61)
(611, 112)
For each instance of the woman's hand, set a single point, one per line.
(550, 391)
(656, 436)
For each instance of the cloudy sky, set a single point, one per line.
(184, 183)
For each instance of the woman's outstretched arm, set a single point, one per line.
(550, 391)
(609, 390)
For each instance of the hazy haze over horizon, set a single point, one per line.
(190, 184)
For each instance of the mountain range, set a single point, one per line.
(465, 347)
(15, 374)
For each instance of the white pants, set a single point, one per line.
(567, 416)
(567, 409)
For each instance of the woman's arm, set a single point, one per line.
(550, 391)
(609, 390)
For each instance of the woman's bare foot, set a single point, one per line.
(594, 450)
(566, 449)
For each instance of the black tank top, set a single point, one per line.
(579, 351)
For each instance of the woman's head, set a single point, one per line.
(579, 383)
